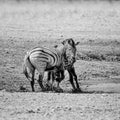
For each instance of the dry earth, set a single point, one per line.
(59, 106)
(96, 26)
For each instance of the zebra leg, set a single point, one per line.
(75, 77)
(32, 73)
(48, 84)
(60, 78)
(58, 89)
(49, 76)
(40, 66)
(32, 82)
(40, 82)
(62, 75)
(71, 79)
(57, 76)
(53, 78)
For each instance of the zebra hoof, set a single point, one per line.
(44, 89)
(77, 91)
(48, 87)
(58, 90)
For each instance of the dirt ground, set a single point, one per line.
(59, 106)
(96, 26)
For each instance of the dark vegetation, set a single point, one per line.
(109, 51)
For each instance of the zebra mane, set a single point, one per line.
(61, 48)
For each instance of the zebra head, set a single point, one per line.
(69, 51)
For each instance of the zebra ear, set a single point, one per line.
(77, 43)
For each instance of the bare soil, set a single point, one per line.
(96, 26)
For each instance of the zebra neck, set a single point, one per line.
(62, 50)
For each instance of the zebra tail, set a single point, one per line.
(25, 72)
(27, 67)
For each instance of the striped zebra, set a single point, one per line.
(43, 59)
(59, 76)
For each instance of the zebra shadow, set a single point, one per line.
(23, 89)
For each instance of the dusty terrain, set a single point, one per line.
(96, 26)
(59, 106)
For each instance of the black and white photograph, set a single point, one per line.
(59, 60)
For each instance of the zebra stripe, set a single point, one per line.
(51, 56)
(43, 59)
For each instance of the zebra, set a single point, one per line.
(59, 76)
(44, 59)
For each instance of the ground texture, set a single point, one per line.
(96, 26)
